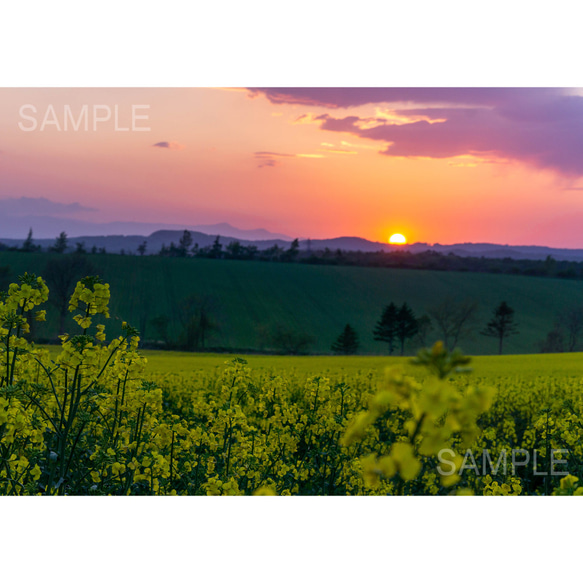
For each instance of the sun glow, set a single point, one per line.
(397, 239)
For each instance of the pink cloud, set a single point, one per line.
(271, 159)
(170, 145)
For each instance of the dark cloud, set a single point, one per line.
(32, 206)
(540, 127)
(338, 97)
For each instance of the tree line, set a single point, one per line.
(60, 246)
(401, 259)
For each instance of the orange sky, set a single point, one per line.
(245, 160)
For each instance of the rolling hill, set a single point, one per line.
(252, 296)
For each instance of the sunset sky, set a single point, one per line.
(438, 165)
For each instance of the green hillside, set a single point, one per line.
(252, 296)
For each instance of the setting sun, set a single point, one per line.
(397, 239)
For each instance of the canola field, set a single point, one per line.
(98, 416)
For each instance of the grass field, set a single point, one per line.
(318, 300)
(525, 366)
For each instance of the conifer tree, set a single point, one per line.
(184, 244)
(386, 328)
(347, 341)
(60, 245)
(407, 325)
(28, 246)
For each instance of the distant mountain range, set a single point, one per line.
(48, 227)
(205, 235)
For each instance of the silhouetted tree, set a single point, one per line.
(184, 244)
(550, 265)
(80, 248)
(216, 251)
(501, 325)
(292, 252)
(424, 326)
(61, 275)
(407, 325)
(386, 328)
(554, 342)
(250, 252)
(198, 317)
(347, 341)
(28, 246)
(234, 250)
(60, 245)
(272, 253)
(570, 321)
(288, 341)
(454, 319)
(142, 248)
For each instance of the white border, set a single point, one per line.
(139, 44)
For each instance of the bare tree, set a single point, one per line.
(424, 327)
(289, 341)
(554, 342)
(570, 321)
(199, 320)
(454, 319)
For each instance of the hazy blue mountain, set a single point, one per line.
(226, 230)
(45, 227)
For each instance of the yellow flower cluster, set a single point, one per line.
(510, 488)
(86, 422)
(416, 421)
(94, 294)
